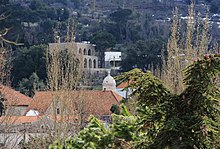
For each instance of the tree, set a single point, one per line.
(76, 3)
(63, 14)
(1, 104)
(142, 55)
(214, 6)
(46, 33)
(29, 60)
(163, 119)
(183, 46)
(5, 53)
(30, 85)
(36, 4)
(103, 40)
(120, 17)
(194, 121)
(64, 70)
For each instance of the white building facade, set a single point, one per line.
(113, 60)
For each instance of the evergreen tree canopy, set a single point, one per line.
(162, 119)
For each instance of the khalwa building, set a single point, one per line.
(86, 53)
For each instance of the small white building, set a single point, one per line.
(113, 60)
(109, 83)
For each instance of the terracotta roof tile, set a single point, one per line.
(18, 119)
(41, 102)
(123, 84)
(94, 102)
(14, 98)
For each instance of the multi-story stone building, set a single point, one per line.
(86, 53)
(84, 49)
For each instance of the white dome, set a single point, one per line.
(32, 113)
(109, 83)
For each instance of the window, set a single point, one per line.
(94, 63)
(89, 52)
(58, 111)
(84, 52)
(85, 63)
(90, 63)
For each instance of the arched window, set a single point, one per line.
(80, 50)
(84, 52)
(90, 63)
(85, 63)
(94, 63)
(89, 52)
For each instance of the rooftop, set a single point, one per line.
(16, 120)
(93, 102)
(13, 97)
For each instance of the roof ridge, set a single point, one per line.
(114, 94)
(14, 97)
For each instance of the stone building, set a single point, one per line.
(86, 53)
(85, 49)
(113, 60)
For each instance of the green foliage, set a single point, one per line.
(30, 85)
(115, 109)
(123, 127)
(103, 40)
(29, 60)
(194, 116)
(4, 2)
(121, 15)
(98, 138)
(142, 54)
(202, 101)
(214, 6)
(163, 120)
(36, 11)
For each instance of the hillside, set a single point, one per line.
(122, 24)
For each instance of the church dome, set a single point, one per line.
(109, 83)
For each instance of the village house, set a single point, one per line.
(15, 103)
(47, 108)
(79, 103)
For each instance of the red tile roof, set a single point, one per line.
(94, 102)
(14, 98)
(41, 102)
(18, 119)
(123, 84)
